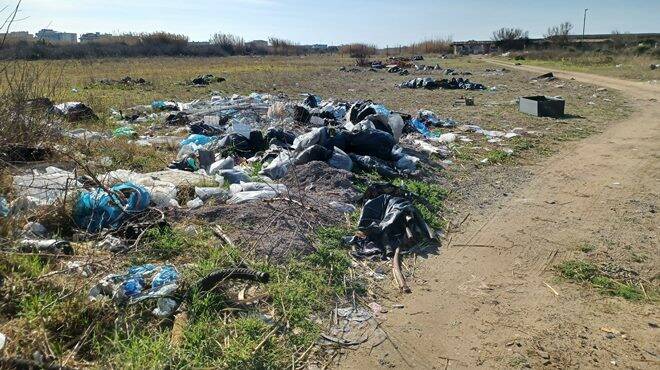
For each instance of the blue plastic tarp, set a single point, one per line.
(421, 127)
(97, 210)
(197, 139)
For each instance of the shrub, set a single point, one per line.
(510, 38)
(358, 50)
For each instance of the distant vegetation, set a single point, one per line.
(152, 44)
(510, 38)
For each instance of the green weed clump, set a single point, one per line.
(588, 273)
(431, 200)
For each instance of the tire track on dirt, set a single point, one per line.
(483, 305)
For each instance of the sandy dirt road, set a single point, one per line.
(484, 302)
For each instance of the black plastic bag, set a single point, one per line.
(313, 153)
(371, 142)
(388, 222)
(371, 164)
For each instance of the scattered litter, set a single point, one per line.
(75, 111)
(195, 203)
(430, 83)
(205, 80)
(342, 207)
(48, 246)
(84, 134)
(45, 188)
(4, 207)
(140, 283)
(111, 244)
(544, 77)
(125, 131)
(34, 230)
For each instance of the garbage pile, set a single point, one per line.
(431, 83)
(422, 67)
(237, 150)
(126, 81)
(207, 79)
(162, 283)
(452, 72)
(74, 111)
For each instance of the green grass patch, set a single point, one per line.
(497, 156)
(521, 144)
(431, 202)
(218, 336)
(585, 272)
(575, 133)
(586, 248)
(165, 242)
(30, 267)
(38, 305)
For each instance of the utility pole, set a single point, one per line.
(584, 23)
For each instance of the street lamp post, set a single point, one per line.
(584, 23)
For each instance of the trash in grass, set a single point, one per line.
(205, 80)
(34, 230)
(4, 207)
(74, 111)
(47, 246)
(47, 187)
(125, 131)
(542, 106)
(98, 209)
(141, 283)
(111, 244)
(431, 83)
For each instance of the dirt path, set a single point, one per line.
(485, 302)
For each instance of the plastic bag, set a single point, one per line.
(197, 139)
(97, 210)
(340, 160)
(388, 222)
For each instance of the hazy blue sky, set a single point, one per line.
(384, 22)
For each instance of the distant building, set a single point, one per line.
(91, 37)
(319, 47)
(55, 36)
(20, 36)
(473, 47)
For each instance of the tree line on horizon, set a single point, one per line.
(225, 44)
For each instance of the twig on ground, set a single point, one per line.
(217, 230)
(263, 341)
(396, 270)
(551, 288)
(643, 290)
(475, 245)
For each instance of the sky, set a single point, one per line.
(334, 22)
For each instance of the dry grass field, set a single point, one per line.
(45, 308)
